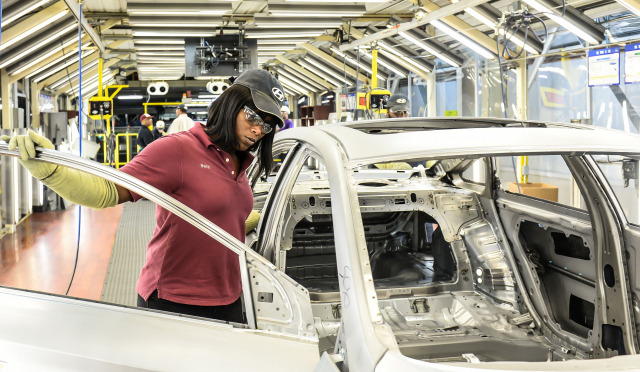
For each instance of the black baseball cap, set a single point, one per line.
(266, 91)
(183, 108)
(398, 102)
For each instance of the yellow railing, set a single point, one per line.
(116, 155)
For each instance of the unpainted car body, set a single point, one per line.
(343, 273)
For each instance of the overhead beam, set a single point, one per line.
(304, 72)
(67, 70)
(75, 9)
(334, 62)
(445, 14)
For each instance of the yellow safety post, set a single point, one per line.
(374, 68)
(524, 169)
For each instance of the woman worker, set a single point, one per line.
(185, 270)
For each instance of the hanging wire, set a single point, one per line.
(75, 263)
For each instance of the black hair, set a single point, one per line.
(221, 124)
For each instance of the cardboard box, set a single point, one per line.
(537, 190)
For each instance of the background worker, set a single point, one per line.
(186, 271)
(284, 110)
(398, 106)
(145, 137)
(158, 131)
(182, 122)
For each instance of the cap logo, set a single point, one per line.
(401, 100)
(278, 93)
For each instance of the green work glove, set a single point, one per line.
(79, 187)
(252, 221)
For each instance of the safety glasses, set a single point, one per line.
(255, 120)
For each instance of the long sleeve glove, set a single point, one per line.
(252, 221)
(79, 187)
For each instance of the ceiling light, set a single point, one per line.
(314, 11)
(33, 29)
(53, 71)
(290, 83)
(463, 39)
(269, 21)
(384, 64)
(177, 9)
(37, 46)
(6, 21)
(338, 1)
(326, 69)
(284, 75)
(289, 89)
(130, 97)
(355, 63)
(315, 71)
(632, 5)
(208, 96)
(170, 32)
(277, 34)
(428, 48)
(73, 75)
(47, 55)
(158, 41)
(160, 49)
(405, 59)
(160, 54)
(578, 30)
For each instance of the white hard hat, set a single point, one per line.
(160, 124)
(285, 109)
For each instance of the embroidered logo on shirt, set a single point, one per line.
(205, 166)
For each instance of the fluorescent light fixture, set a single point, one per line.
(290, 83)
(158, 48)
(326, 69)
(30, 31)
(291, 40)
(339, 1)
(314, 10)
(284, 75)
(405, 59)
(208, 96)
(299, 76)
(268, 21)
(463, 39)
(39, 78)
(315, 71)
(632, 5)
(173, 32)
(277, 33)
(6, 21)
(428, 48)
(161, 54)
(563, 21)
(173, 61)
(47, 55)
(158, 41)
(289, 88)
(177, 9)
(73, 75)
(351, 61)
(512, 38)
(37, 46)
(131, 97)
(384, 64)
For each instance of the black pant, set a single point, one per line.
(229, 313)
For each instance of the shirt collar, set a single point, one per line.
(198, 132)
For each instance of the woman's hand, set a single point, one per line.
(26, 144)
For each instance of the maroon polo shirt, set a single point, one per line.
(184, 264)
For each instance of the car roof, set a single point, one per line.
(427, 138)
